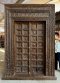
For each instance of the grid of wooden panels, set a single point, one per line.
(22, 48)
(29, 47)
(37, 47)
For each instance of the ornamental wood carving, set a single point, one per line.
(29, 42)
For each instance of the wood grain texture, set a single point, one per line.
(29, 42)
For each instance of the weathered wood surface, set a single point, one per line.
(29, 42)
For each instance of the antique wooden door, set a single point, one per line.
(29, 47)
(29, 41)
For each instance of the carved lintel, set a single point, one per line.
(30, 15)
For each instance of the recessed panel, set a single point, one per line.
(37, 50)
(29, 41)
(21, 47)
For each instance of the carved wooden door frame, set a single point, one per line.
(18, 12)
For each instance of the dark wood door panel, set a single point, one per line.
(37, 38)
(21, 38)
(29, 39)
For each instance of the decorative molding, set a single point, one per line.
(30, 15)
